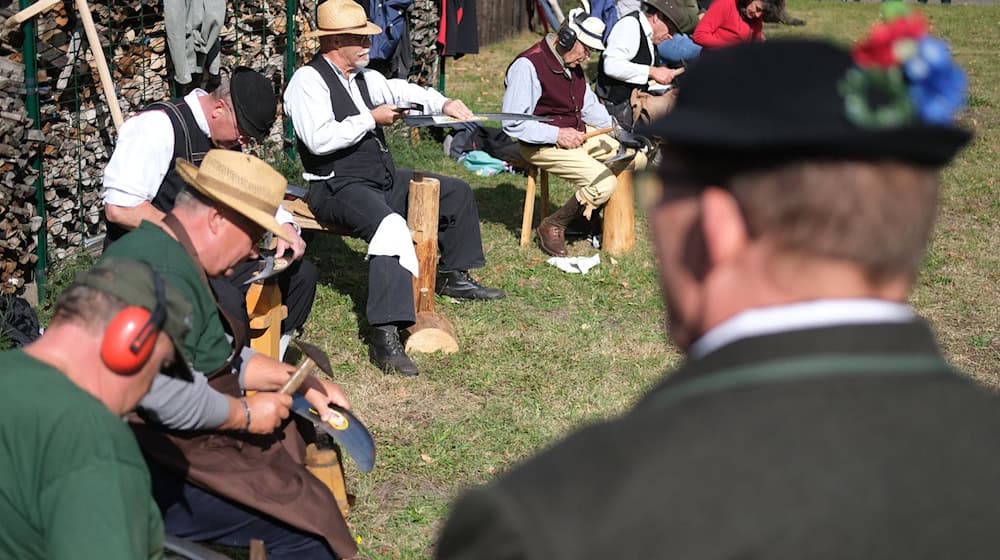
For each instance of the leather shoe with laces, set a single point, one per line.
(386, 352)
(458, 284)
(552, 239)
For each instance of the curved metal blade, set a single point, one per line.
(316, 355)
(345, 429)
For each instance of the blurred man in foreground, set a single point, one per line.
(815, 416)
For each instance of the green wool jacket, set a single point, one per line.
(73, 483)
(854, 441)
(206, 346)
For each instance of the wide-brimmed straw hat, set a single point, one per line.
(240, 181)
(342, 17)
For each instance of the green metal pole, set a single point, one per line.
(291, 6)
(441, 75)
(32, 105)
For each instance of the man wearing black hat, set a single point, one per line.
(140, 182)
(75, 484)
(815, 416)
(628, 63)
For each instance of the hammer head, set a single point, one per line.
(629, 144)
(316, 355)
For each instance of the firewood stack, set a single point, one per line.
(18, 144)
(78, 135)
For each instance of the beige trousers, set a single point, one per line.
(583, 166)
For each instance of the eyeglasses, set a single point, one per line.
(244, 140)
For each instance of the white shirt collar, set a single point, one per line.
(800, 316)
(199, 115)
(647, 29)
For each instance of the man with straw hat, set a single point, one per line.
(140, 182)
(338, 109)
(227, 467)
(815, 416)
(547, 80)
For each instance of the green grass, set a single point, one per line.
(562, 349)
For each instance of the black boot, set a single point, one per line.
(552, 231)
(458, 284)
(386, 351)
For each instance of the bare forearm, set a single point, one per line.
(130, 218)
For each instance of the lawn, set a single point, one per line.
(563, 350)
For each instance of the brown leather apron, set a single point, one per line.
(264, 473)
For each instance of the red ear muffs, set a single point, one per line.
(129, 340)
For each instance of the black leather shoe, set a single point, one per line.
(386, 352)
(458, 284)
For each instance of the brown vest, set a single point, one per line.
(562, 95)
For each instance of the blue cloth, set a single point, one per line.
(679, 50)
(391, 17)
(605, 11)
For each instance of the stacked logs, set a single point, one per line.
(18, 145)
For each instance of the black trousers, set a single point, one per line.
(360, 206)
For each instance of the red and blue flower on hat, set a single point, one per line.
(902, 75)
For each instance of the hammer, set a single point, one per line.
(314, 358)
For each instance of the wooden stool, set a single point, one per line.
(266, 314)
(619, 217)
(529, 201)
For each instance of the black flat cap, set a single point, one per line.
(253, 101)
(786, 97)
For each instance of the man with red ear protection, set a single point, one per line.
(75, 483)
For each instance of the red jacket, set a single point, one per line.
(722, 26)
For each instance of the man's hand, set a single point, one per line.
(663, 75)
(385, 115)
(267, 411)
(456, 108)
(320, 392)
(264, 373)
(570, 138)
(298, 245)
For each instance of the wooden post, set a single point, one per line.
(102, 64)
(431, 332)
(324, 464)
(529, 206)
(619, 217)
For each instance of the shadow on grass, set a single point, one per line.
(503, 204)
(344, 269)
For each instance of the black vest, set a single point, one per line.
(369, 159)
(614, 91)
(190, 143)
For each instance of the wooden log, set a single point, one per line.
(619, 217)
(431, 332)
(422, 219)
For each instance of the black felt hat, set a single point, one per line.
(253, 101)
(783, 98)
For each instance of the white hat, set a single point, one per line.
(589, 30)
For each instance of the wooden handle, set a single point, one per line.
(102, 65)
(295, 381)
(598, 132)
(30, 12)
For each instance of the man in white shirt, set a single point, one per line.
(815, 416)
(628, 64)
(338, 109)
(140, 182)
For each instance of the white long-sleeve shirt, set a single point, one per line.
(622, 48)
(307, 103)
(144, 154)
(522, 95)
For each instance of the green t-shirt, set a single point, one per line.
(206, 346)
(73, 483)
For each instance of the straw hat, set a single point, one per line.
(242, 182)
(342, 17)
